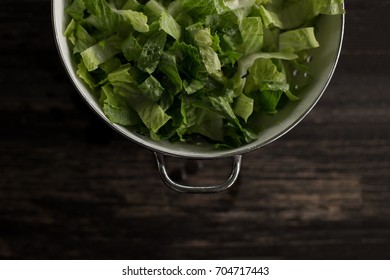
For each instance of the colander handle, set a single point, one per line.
(198, 189)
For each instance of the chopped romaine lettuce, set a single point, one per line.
(180, 69)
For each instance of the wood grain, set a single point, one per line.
(70, 188)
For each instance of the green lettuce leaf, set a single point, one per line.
(168, 66)
(170, 26)
(243, 107)
(76, 9)
(102, 16)
(101, 52)
(298, 40)
(151, 52)
(137, 20)
(131, 49)
(252, 33)
(79, 37)
(210, 58)
(152, 88)
(117, 109)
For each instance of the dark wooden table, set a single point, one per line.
(70, 188)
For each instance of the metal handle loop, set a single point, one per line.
(198, 189)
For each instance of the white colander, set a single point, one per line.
(322, 63)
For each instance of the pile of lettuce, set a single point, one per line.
(189, 69)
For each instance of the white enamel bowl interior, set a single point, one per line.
(324, 60)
